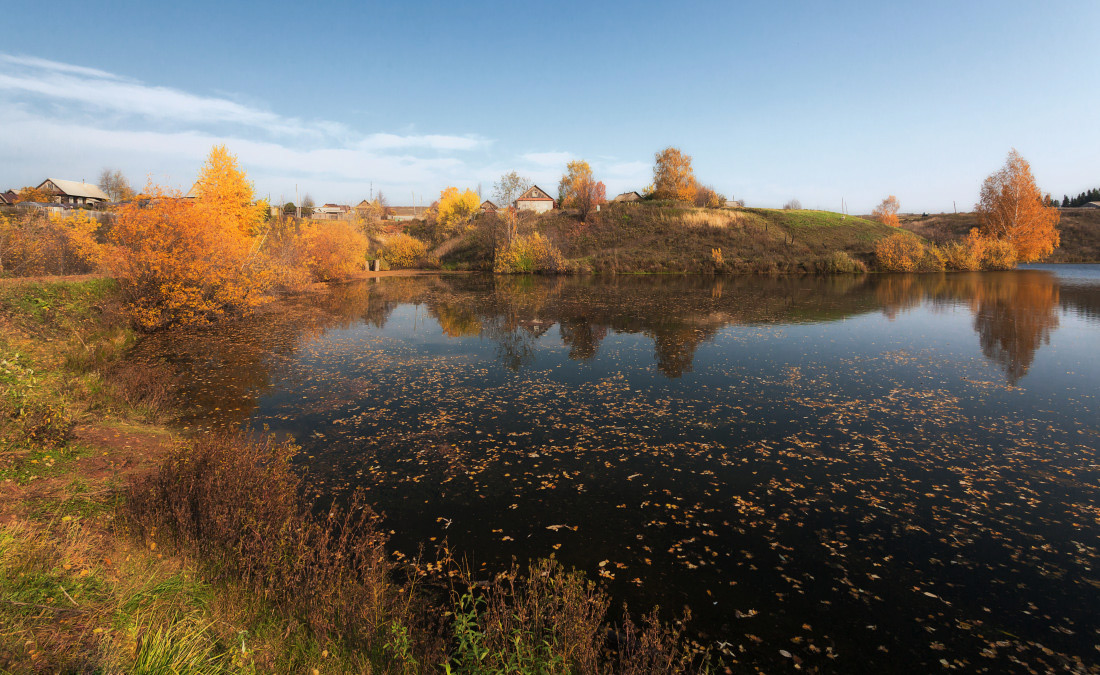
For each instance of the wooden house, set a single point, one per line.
(535, 199)
(9, 197)
(73, 192)
(488, 207)
(628, 197)
(402, 213)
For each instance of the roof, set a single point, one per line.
(406, 210)
(536, 194)
(1091, 205)
(74, 188)
(488, 204)
(626, 197)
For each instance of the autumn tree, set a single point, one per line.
(115, 185)
(1011, 209)
(708, 197)
(579, 190)
(456, 209)
(33, 194)
(673, 177)
(887, 212)
(307, 206)
(224, 193)
(793, 205)
(510, 186)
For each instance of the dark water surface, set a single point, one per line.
(889, 473)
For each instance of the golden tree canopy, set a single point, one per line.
(456, 208)
(225, 193)
(673, 177)
(887, 211)
(1011, 209)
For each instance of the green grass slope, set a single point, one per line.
(663, 238)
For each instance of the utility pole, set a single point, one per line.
(297, 203)
(371, 191)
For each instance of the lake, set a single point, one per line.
(884, 473)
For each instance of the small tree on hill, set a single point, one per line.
(1011, 209)
(115, 185)
(673, 177)
(793, 205)
(456, 209)
(579, 190)
(887, 212)
(510, 186)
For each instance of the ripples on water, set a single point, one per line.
(870, 473)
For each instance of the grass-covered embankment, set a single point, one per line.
(127, 548)
(671, 238)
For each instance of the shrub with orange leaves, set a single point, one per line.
(333, 250)
(175, 264)
(903, 252)
(527, 254)
(33, 243)
(999, 254)
(404, 251)
(1011, 208)
(887, 212)
(966, 255)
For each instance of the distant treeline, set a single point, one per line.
(1092, 195)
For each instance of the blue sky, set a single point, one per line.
(815, 101)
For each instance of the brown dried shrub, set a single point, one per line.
(236, 502)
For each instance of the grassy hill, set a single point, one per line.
(656, 237)
(1080, 231)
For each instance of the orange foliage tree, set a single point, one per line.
(176, 265)
(1011, 209)
(887, 212)
(33, 194)
(579, 190)
(673, 177)
(183, 263)
(224, 193)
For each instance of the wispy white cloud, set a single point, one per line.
(70, 120)
(57, 66)
(427, 141)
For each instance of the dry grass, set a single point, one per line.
(234, 502)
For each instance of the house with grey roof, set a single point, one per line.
(73, 192)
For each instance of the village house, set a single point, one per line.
(331, 212)
(72, 192)
(9, 197)
(1091, 205)
(402, 213)
(535, 199)
(628, 197)
(488, 207)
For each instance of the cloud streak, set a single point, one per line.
(70, 120)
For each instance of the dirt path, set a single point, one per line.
(111, 454)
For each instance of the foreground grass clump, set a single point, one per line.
(234, 503)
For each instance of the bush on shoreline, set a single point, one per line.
(527, 254)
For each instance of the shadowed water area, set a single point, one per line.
(848, 473)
